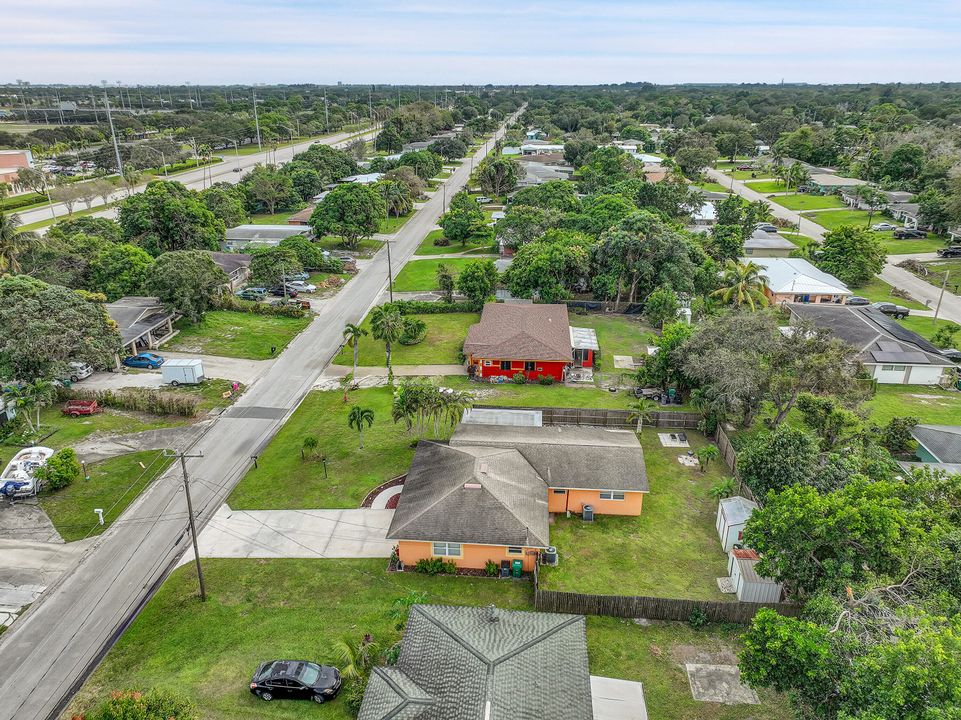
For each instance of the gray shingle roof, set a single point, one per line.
(568, 456)
(942, 441)
(483, 495)
(880, 339)
(521, 332)
(479, 663)
(137, 315)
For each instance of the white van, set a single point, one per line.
(77, 371)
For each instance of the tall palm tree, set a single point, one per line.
(641, 410)
(396, 197)
(387, 325)
(13, 242)
(357, 417)
(42, 393)
(353, 334)
(357, 658)
(743, 285)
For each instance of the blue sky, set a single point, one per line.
(479, 41)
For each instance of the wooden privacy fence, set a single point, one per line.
(604, 417)
(727, 450)
(651, 608)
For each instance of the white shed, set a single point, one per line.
(732, 515)
(748, 585)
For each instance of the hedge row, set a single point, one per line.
(19, 201)
(234, 304)
(422, 307)
(157, 402)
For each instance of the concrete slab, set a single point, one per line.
(615, 699)
(98, 447)
(360, 533)
(673, 440)
(380, 502)
(720, 684)
(243, 371)
(26, 520)
(33, 565)
(624, 362)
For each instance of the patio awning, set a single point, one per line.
(584, 339)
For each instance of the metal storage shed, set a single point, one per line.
(748, 585)
(732, 515)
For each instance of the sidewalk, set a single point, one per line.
(339, 371)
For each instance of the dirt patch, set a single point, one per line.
(691, 654)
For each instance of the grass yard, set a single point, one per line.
(260, 608)
(768, 186)
(114, 484)
(797, 238)
(879, 291)
(536, 395)
(422, 274)
(282, 481)
(808, 202)
(239, 335)
(616, 335)
(930, 405)
(365, 246)
(671, 550)
(932, 243)
(278, 218)
(747, 174)
(859, 218)
(442, 346)
(834, 219)
(713, 187)
(392, 224)
(427, 246)
(925, 326)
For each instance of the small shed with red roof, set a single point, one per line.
(748, 585)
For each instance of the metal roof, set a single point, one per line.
(265, 232)
(737, 510)
(798, 276)
(503, 416)
(584, 339)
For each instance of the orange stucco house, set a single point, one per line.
(488, 493)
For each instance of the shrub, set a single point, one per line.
(441, 241)
(61, 470)
(698, 618)
(519, 378)
(545, 379)
(150, 705)
(421, 307)
(235, 304)
(156, 402)
(436, 566)
(492, 568)
(415, 330)
(896, 435)
(353, 695)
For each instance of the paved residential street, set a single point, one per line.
(919, 289)
(202, 177)
(48, 652)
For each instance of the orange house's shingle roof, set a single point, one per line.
(521, 332)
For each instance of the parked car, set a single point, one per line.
(909, 234)
(483, 199)
(803, 188)
(76, 408)
(77, 371)
(883, 227)
(301, 286)
(895, 311)
(295, 680)
(257, 293)
(144, 360)
(765, 227)
(280, 291)
(950, 252)
(745, 167)
(296, 276)
(857, 300)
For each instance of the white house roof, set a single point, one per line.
(798, 276)
(761, 240)
(737, 510)
(541, 147)
(647, 159)
(707, 211)
(366, 179)
(829, 180)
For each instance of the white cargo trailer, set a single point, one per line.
(183, 371)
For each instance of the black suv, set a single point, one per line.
(909, 234)
(895, 311)
(295, 680)
(278, 291)
(949, 252)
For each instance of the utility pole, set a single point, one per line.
(113, 134)
(190, 515)
(326, 113)
(93, 104)
(257, 122)
(370, 102)
(934, 320)
(390, 274)
(23, 99)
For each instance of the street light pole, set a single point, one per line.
(390, 274)
(256, 120)
(190, 515)
(113, 134)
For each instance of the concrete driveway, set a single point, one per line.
(355, 533)
(243, 371)
(615, 699)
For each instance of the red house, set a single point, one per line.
(531, 339)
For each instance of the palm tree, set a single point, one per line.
(357, 659)
(357, 417)
(705, 454)
(346, 383)
(13, 242)
(396, 197)
(353, 334)
(42, 393)
(387, 325)
(309, 446)
(641, 410)
(743, 285)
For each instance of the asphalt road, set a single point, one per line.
(920, 289)
(48, 652)
(202, 177)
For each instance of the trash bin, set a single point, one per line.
(505, 568)
(516, 567)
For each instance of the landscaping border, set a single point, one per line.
(604, 417)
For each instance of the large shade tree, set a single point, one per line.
(167, 217)
(351, 211)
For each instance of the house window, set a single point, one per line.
(505, 364)
(447, 549)
(892, 368)
(612, 495)
(515, 551)
(559, 492)
(487, 363)
(529, 366)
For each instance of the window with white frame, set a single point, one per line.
(612, 495)
(515, 551)
(447, 549)
(487, 363)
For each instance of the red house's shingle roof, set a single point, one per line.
(521, 332)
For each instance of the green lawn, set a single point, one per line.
(808, 202)
(319, 278)
(925, 326)
(535, 395)
(114, 484)
(236, 334)
(278, 218)
(365, 246)
(282, 481)
(932, 243)
(393, 224)
(768, 186)
(747, 174)
(879, 291)
(859, 218)
(422, 274)
(836, 218)
(442, 346)
(930, 405)
(713, 187)
(427, 246)
(671, 550)
(270, 608)
(796, 238)
(616, 335)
